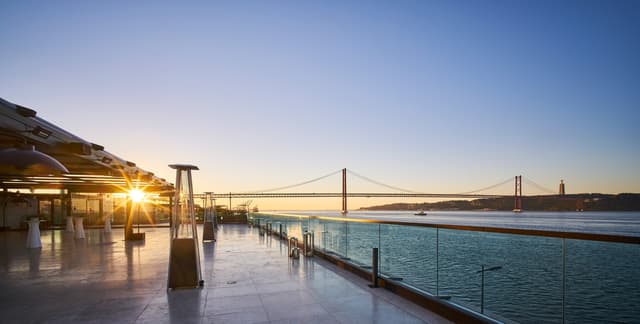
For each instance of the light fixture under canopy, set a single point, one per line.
(26, 161)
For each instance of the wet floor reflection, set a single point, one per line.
(132, 252)
(34, 260)
(105, 279)
(185, 304)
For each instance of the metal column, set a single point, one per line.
(344, 191)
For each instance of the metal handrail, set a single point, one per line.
(503, 230)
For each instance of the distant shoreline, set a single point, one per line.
(575, 202)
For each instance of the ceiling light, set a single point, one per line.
(41, 132)
(26, 161)
(25, 112)
(97, 147)
(79, 148)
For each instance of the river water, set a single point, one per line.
(532, 279)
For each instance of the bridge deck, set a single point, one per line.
(349, 195)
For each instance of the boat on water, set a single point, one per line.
(420, 213)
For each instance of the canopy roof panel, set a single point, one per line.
(91, 167)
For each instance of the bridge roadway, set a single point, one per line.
(339, 195)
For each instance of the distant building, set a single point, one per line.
(561, 189)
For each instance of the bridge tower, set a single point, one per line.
(517, 197)
(344, 191)
(561, 189)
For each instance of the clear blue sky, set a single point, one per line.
(435, 96)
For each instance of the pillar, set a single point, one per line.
(66, 209)
(128, 224)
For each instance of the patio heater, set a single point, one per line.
(208, 233)
(184, 258)
(215, 217)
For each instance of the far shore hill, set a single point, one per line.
(574, 202)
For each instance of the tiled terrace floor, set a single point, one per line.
(248, 279)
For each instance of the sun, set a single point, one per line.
(136, 195)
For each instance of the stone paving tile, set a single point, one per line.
(287, 299)
(226, 305)
(233, 291)
(248, 279)
(247, 316)
(297, 311)
(358, 317)
(323, 319)
(279, 287)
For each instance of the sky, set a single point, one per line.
(431, 96)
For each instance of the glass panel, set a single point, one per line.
(78, 207)
(184, 215)
(603, 282)
(57, 212)
(44, 209)
(107, 207)
(458, 261)
(508, 277)
(93, 212)
(522, 278)
(334, 237)
(317, 229)
(361, 239)
(409, 253)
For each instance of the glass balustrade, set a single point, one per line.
(511, 277)
(602, 275)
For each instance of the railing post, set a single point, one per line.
(437, 262)
(307, 244)
(482, 292)
(294, 250)
(564, 277)
(374, 268)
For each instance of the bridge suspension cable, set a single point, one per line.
(544, 189)
(296, 184)
(510, 179)
(380, 183)
(405, 191)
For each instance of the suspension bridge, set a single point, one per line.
(400, 192)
